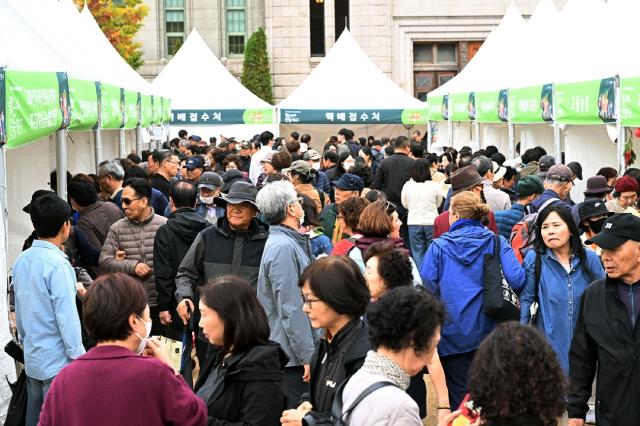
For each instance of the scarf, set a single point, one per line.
(378, 364)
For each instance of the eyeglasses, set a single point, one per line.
(309, 302)
(173, 162)
(127, 201)
(299, 200)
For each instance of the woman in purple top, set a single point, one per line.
(126, 378)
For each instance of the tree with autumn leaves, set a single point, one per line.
(120, 21)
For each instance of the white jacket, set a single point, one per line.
(422, 201)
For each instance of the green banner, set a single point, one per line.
(156, 110)
(111, 107)
(146, 110)
(459, 107)
(630, 102)
(587, 102)
(487, 107)
(434, 108)
(33, 106)
(131, 111)
(84, 104)
(3, 133)
(166, 110)
(531, 104)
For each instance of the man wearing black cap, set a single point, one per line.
(349, 185)
(195, 167)
(606, 334)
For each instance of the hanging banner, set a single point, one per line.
(530, 104)
(587, 102)
(166, 110)
(487, 106)
(459, 107)
(84, 104)
(352, 116)
(3, 134)
(201, 117)
(157, 110)
(630, 102)
(111, 104)
(146, 111)
(63, 95)
(131, 110)
(471, 106)
(32, 106)
(434, 108)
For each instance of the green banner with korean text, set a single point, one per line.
(84, 104)
(166, 110)
(487, 106)
(156, 103)
(204, 117)
(531, 104)
(587, 102)
(33, 105)
(459, 107)
(630, 102)
(131, 110)
(354, 116)
(434, 108)
(111, 107)
(146, 110)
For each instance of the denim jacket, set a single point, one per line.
(558, 297)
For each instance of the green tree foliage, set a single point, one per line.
(256, 75)
(120, 21)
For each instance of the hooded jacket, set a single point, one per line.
(250, 392)
(453, 269)
(286, 255)
(171, 244)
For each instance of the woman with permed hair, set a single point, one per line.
(516, 378)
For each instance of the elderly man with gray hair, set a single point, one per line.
(557, 186)
(496, 199)
(286, 255)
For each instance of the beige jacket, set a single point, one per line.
(136, 239)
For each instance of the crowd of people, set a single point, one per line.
(320, 281)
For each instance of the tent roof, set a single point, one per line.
(205, 86)
(361, 85)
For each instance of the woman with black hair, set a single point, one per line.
(404, 329)
(241, 382)
(360, 168)
(335, 298)
(516, 380)
(558, 272)
(320, 243)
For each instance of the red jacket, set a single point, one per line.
(110, 385)
(441, 224)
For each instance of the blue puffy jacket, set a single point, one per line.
(453, 269)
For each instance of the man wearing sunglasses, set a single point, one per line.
(129, 244)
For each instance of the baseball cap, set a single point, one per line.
(560, 172)
(299, 166)
(576, 168)
(210, 180)
(546, 161)
(617, 230)
(529, 185)
(498, 171)
(268, 157)
(37, 194)
(312, 155)
(195, 162)
(245, 145)
(195, 138)
(349, 182)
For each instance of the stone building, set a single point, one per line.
(420, 44)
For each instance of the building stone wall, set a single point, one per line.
(385, 29)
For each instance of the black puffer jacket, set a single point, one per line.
(172, 242)
(250, 392)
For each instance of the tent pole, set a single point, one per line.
(121, 143)
(168, 128)
(621, 130)
(3, 189)
(449, 122)
(557, 142)
(512, 140)
(139, 140)
(476, 129)
(97, 146)
(61, 163)
(429, 136)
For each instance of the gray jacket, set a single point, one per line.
(136, 239)
(286, 255)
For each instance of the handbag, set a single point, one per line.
(17, 411)
(500, 302)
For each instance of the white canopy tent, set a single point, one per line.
(207, 87)
(335, 86)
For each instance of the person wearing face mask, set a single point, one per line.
(592, 214)
(558, 272)
(137, 384)
(287, 254)
(321, 181)
(209, 186)
(234, 246)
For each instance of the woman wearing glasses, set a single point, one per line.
(287, 253)
(335, 297)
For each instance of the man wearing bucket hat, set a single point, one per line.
(464, 179)
(234, 246)
(606, 335)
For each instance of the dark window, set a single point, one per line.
(174, 25)
(236, 26)
(341, 9)
(316, 27)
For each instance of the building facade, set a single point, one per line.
(419, 44)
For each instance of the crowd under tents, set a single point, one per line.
(346, 89)
(554, 81)
(67, 101)
(206, 99)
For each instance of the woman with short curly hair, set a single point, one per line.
(349, 212)
(516, 378)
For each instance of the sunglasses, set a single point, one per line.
(127, 201)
